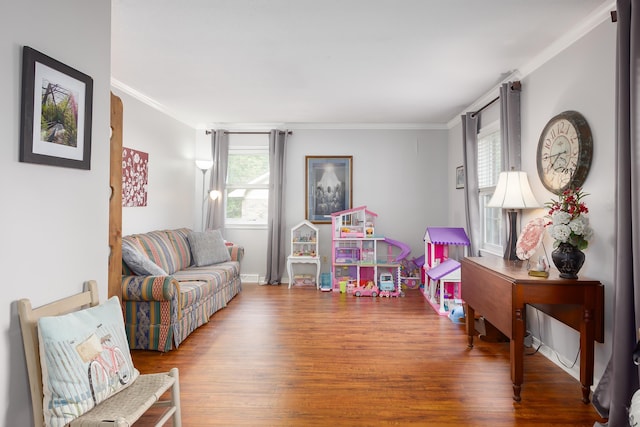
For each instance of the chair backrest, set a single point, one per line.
(29, 323)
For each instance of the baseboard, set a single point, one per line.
(250, 278)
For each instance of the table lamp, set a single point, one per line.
(512, 193)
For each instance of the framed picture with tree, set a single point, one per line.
(56, 112)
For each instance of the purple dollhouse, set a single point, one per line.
(442, 274)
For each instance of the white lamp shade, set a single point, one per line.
(204, 165)
(214, 194)
(513, 192)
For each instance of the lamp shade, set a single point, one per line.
(204, 165)
(513, 192)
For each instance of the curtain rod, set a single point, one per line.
(514, 85)
(208, 132)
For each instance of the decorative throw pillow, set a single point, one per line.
(138, 262)
(207, 247)
(85, 359)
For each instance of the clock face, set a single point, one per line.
(564, 152)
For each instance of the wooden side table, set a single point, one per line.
(499, 290)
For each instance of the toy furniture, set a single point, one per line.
(442, 275)
(71, 406)
(358, 261)
(443, 288)
(304, 250)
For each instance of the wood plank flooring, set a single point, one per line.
(300, 357)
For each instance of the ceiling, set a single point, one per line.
(339, 62)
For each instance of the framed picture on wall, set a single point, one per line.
(55, 112)
(328, 186)
(460, 177)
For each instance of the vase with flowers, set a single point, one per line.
(569, 227)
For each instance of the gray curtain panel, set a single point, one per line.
(510, 146)
(510, 125)
(621, 377)
(218, 178)
(276, 233)
(470, 122)
(509, 137)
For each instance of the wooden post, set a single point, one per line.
(115, 201)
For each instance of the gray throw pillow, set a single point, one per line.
(139, 263)
(207, 247)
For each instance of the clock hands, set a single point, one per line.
(555, 158)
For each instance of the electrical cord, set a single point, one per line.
(555, 352)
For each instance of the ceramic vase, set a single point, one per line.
(568, 259)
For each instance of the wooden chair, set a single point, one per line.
(120, 410)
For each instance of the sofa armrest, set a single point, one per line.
(150, 288)
(236, 252)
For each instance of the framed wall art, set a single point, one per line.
(328, 186)
(55, 112)
(460, 177)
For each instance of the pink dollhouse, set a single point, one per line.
(442, 287)
(359, 265)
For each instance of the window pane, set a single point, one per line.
(492, 222)
(489, 159)
(247, 189)
(248, 168)
(489, 166)
(247, 205)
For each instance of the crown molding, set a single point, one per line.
(366, 126)
(599, 15)
(147, 100)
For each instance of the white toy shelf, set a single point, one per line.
(304, 250)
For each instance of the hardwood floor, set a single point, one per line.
(300, 357)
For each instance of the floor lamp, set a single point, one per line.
(513, 193)
(204, 166)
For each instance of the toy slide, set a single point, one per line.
(405, 250)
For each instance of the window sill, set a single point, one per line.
(485, 251)
(245, 226)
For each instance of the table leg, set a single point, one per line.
(290, 273)
(470, 323)
(587, 336)
(516, 348)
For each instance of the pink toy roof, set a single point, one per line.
(446, 236)
(442, 269)
(352, 210)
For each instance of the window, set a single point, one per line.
(489, 166)
(247, 189)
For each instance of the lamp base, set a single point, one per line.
(510, 249)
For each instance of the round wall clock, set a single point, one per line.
(564, 152)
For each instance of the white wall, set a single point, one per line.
(173, 175)
(582, 78)
(55, 219)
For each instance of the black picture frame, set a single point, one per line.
(335, 195)
(460, 177)
(56, 112)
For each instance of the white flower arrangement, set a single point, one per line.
(568, 223)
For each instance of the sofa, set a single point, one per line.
(173, 281)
